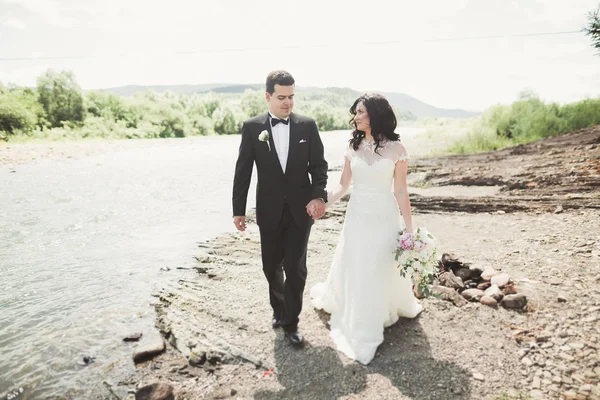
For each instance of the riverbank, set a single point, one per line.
(541, 226)
(35, 151)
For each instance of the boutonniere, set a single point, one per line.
(264, 137)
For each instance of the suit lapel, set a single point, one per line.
(293, 141)
(273, 152)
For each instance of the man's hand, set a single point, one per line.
(240, 223)
(316, 208)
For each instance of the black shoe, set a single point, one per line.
(295, 337)
(276, 322)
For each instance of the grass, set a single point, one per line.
(524, 121)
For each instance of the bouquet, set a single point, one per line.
(417, 258)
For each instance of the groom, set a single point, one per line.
(287, 149)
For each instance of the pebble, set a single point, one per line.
(536, 394)
(527, 361)
(561, 298)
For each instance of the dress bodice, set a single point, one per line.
(373, 170)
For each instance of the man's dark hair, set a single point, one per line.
(279, 77)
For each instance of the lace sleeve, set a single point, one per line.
(402, 153)
(403, 157)
(348, 152)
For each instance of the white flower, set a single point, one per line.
(264, 137)
(419, 246)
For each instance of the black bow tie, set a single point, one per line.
(275, 121)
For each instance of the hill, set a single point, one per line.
(402, 101)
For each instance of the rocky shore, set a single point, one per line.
(540, 236)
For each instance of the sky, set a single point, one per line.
(448, 53)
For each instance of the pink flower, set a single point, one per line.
(406, 241)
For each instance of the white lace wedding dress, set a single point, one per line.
(364, 291)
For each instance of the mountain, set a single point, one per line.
(422, 110)
(399, 100)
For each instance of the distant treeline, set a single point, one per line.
(58, 109)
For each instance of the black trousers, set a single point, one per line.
(284, 250)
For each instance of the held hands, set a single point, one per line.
(316, 208)
(240, 223)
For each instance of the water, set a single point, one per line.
(82, 244)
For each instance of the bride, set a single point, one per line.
(364, 291)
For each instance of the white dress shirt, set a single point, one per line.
(281, 138)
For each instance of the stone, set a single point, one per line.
(500, 280)
(570, 395)
(553, 388)
(522, 353)
(537, 383)
(561, 298)
(463, 273)
(566, 357)
(585, 388)
(223, 393)
(476, 270)
(542, 338)
(495, 293)
(536, 394)
(488, 274)
(197, 358)
(488, 301)
(155, 391)
(509, 289)
(590, 374)
(134, 337)
(527, 361)
(514, 301)
(484, 285)
(490, 291)
(473, 294)
(450, 280)
(145, 353)
(479, 377)
(448, 294)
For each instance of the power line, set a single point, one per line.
(504, 36)
(291, 47)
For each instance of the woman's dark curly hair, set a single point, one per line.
(383, 120)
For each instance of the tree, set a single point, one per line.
(225, 121)
(593, 28)
(60, 95)
(253, 102)
(20, 110)
(14, 115)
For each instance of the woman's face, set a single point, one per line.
(361, 119)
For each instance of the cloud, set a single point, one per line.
(15, 23)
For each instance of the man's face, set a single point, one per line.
(281, 102)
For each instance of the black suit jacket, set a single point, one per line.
(275, 188)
